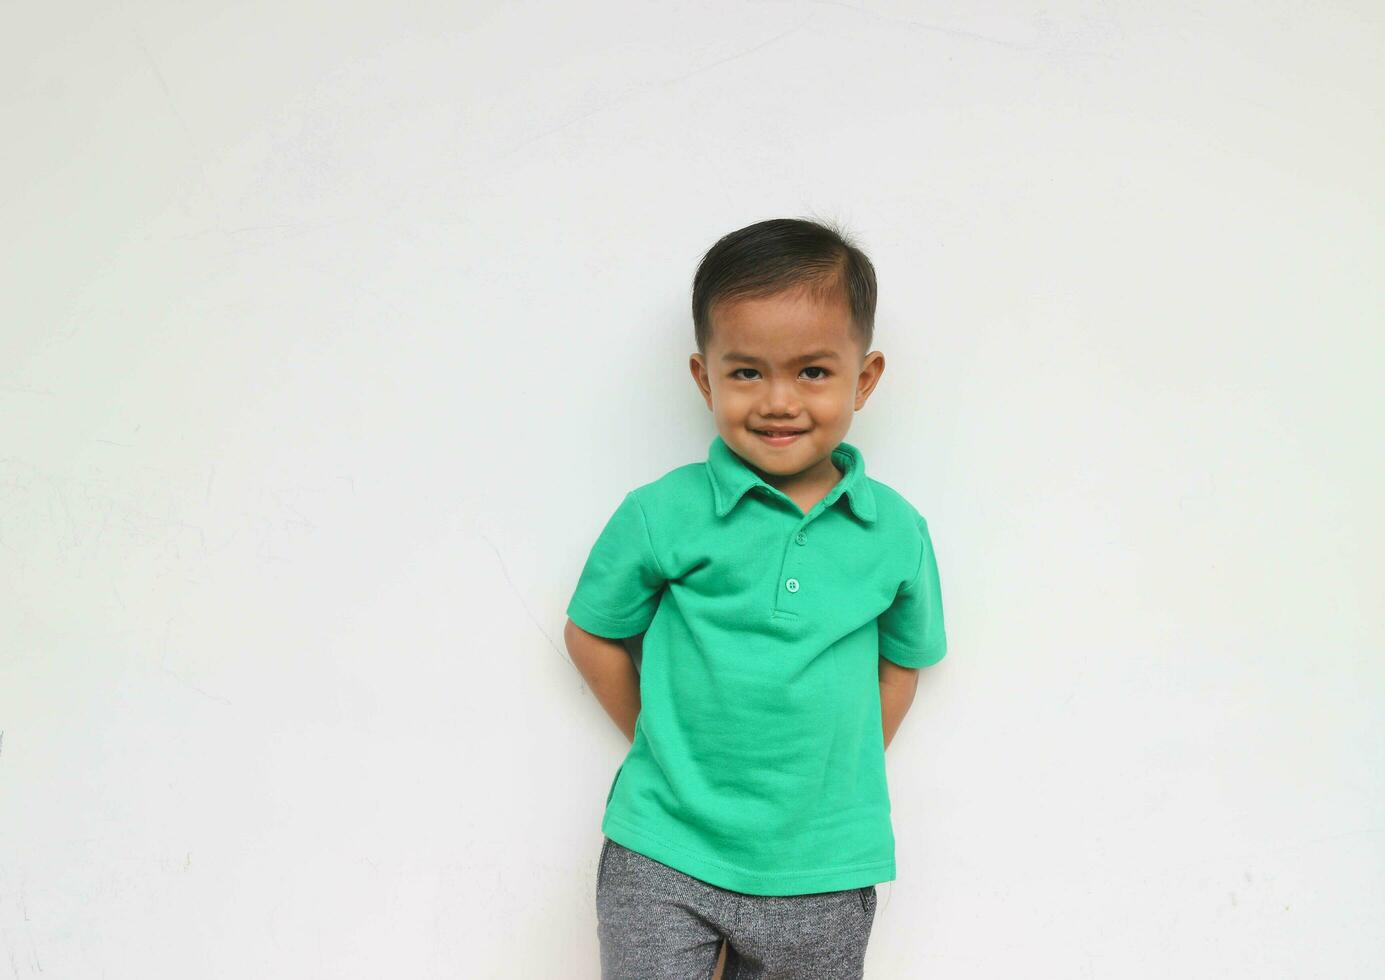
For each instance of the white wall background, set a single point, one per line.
(333, 333)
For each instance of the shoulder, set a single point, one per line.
(903, 526)
(675, 494)
(679, 482)
(893, 509)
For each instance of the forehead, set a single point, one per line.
(781, 327)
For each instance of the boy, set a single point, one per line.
(787, 602)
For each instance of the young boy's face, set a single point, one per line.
(785, 362)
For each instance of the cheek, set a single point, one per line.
(729, 398)
(835, 399)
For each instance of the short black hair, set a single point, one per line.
(772, 256)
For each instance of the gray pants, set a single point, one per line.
(657, 923)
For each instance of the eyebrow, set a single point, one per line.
(817, 355)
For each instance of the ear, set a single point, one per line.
(871, 369)
(698, 366)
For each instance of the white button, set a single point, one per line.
(791, 585)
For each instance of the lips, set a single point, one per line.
(778, 438)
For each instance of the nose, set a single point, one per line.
(779, 399)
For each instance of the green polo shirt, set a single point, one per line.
(758, 763)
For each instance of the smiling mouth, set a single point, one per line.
(778, 437)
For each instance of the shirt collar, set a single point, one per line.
(731, 477)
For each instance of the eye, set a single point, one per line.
(736, 374)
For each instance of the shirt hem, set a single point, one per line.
(600, 624)
(733, 878)
(906, 657)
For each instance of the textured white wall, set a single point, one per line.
(332, 334)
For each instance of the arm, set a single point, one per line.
(609, 671)
(897, 687)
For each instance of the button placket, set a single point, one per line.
(790, 582)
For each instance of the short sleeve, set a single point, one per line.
(911, 629)
(621, 582)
